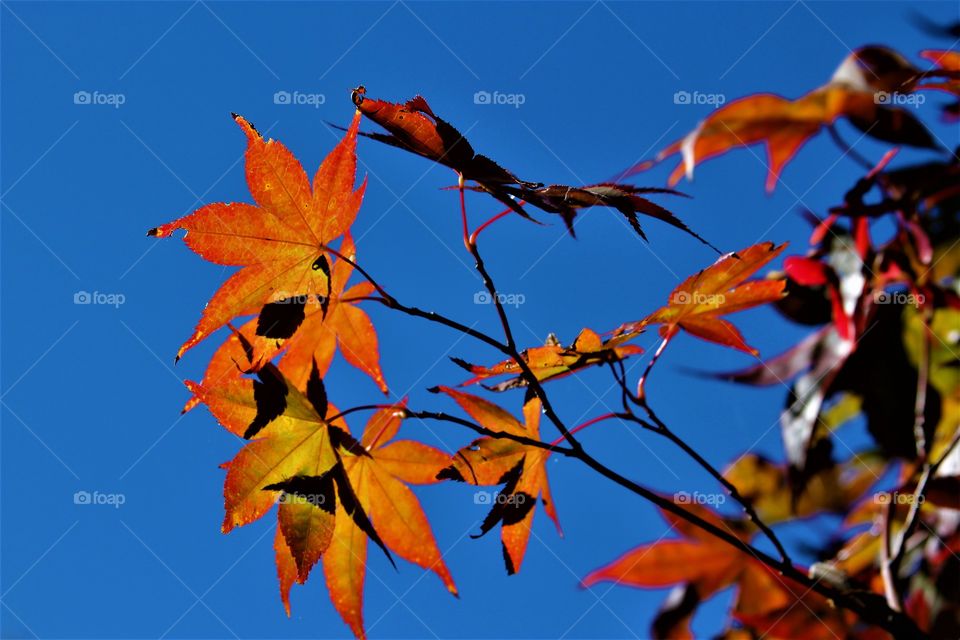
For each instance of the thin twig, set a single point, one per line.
(661, 428)
(362, 407)
(886, 618)
(895, 622)
(532, 381)
(847, 149)
(500, 435)
(890, 591)
(923, 375)
(919, 495)
(641, 392)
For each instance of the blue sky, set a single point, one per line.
(91, 397)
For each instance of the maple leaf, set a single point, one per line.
(567, 201)
(341, 323)
(292, 445)
(872, 366)
(279, 242)
(702, 565)
(697, 303)
(231, 362)
(858, 91)
(295, 450)
(552, 360)
(947, 67)
(948, 74)
(520, 468)
(698, 561)
(414, 127)
(380, 468)
(766, 486)
(335, 492)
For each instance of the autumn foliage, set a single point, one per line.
(883, 318)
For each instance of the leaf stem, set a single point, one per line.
(505, 212)
(586, 424)
(641, 392)
(463, 211)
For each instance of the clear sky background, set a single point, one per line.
(91, 397)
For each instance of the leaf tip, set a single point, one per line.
(248, 128)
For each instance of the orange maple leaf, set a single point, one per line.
(520, 468)
(380, 468)
(703, 565)
(340, 322)
(859, 91)
(335, 492)
(552, 360)
(279, 242)
(697, 303)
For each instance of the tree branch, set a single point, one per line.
(893, 621)
(887, 618)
